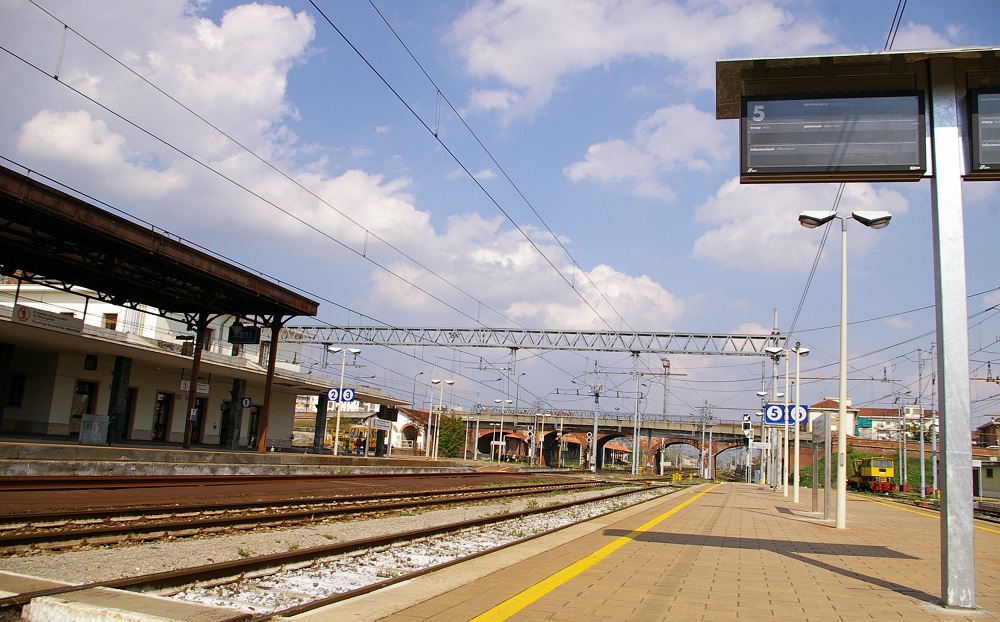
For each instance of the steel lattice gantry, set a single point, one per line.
(594, 341)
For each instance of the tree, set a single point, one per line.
(452, 439)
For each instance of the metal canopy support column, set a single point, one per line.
(957, 554)
(272, 358)
(118, 402)
(235, 413)
(319, 431)
(200, 326)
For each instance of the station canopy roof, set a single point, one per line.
(52, 238)
(837, 73)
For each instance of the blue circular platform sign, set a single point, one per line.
(774, 414)
(800, 414)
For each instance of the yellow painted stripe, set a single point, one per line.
(936, 515)
(521, 600)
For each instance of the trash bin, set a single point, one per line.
(94, 429)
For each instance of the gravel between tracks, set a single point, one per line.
(105, 563)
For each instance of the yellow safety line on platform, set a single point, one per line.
(896, 506)
(519, 601)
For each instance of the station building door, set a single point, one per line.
(253, 426)
(200, 404)
(161, 416)
(84, 402)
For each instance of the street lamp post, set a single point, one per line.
(436, 428)
(799, 353)
(475, 441)
(500, 441)
(767, 467)
(340, 395)
(413, 394)
(784, 454)
(874, 220)
(763, 436)
(541, 440)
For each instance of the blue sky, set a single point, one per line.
(595, 190)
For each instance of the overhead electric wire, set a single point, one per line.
(253, 193)
(897, 19)
(287, 177)
(506, 176)
(461, 164)
(220, 256)
(246, 149)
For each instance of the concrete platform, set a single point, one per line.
(46, 457)
(715, 553)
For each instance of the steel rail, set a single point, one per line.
(174, 509)
(197, 525)
(173, 579)
(46, 482)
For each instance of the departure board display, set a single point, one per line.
(843, 138)
(984, 106)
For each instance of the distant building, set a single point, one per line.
(829, 408)
(877, 424)
(986, 434)
(884, 424)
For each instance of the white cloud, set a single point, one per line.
(751, 329)
(913, 36)
(897, 323)
(756, 225)
(529, 47)
(76, 137)
(521, 284)
(991, 300)
(233, 73)
(672, 138)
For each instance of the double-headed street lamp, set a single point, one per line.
(340, 396)
(435, 430)
(776, 353)
(874, 220)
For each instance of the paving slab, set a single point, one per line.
(715, 552)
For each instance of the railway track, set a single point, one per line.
(982, 510)
(110, 526)
(243, 584)
(86, 482)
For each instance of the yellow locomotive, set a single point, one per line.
(874, 474)
(354, 441)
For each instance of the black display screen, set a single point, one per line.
(844, 138)
(984, 107)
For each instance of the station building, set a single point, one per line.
(62, 355)
(111, 331)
